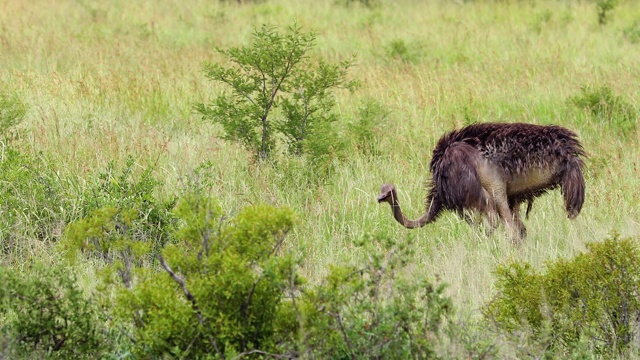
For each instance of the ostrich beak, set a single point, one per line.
(386, 192)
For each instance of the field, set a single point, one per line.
(105, 81)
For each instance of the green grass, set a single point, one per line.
(104, 80)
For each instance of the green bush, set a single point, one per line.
(592, 297)
(112, 235)
(126, 192)
(222, 285)
(372, 311)
(607, 107)
(35, 201)
(228, 288)
(275, 72)
(399, 49)
(366, 131)
(47, 315)
(124, 225)
(217, 290)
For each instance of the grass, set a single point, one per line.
(105, 80)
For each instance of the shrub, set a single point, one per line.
(218, 289)
(34, 199)
(46, 314)
(366, 130)
(124, 224)
(112, 235)
(372, 311)
(399, 49)
(607, 107)
(592, 297)
(149, 219)
(227, 288)
(275, 71)
(221, 290)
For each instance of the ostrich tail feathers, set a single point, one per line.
(573, 187)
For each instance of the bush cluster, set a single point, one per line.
(127, 192)
(45, 314)
(228, 288)
(591, 298)
(371, 311)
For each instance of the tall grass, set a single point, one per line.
(104, 80)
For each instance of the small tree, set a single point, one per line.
(274, 70)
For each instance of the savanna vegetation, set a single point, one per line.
(197, 179)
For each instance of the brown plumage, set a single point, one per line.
(493, 168)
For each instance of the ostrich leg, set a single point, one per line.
(491, 218)
(517, 220)
(511, 225)
(494, 184)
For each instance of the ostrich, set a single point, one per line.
(493, 168)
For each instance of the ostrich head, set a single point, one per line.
(387, 194)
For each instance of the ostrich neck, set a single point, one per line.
(411, 224)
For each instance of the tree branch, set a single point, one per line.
(342, 329)
(190, 297)
(227, 81)
(245, 306)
